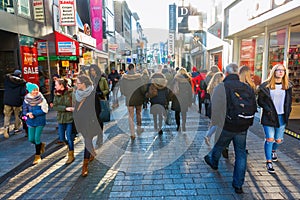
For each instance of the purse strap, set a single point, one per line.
(80, 104)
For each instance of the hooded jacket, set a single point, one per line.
(182, 100)
(15, 90)
(269, 115)
(133, 88)
(160, 82)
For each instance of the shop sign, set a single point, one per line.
(172, 17)
(67, 12)
(65, 63)
(87, 57)
(66, 47)
(38, 10)
(171, 43)
(113, 46)
(83, 38)
(42, 48)
(30, 64)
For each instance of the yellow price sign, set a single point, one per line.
(65, 63)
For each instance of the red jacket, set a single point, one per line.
(196, 83)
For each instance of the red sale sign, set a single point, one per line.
(30, 64)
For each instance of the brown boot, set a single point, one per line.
(71, 157)
(85, 172)
(43, 145)
(6, 132)
(37, 159)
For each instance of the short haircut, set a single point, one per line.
(130, 66)
(232, 68)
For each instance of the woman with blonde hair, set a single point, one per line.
(246, 76)
(215, 80)
(275, 99)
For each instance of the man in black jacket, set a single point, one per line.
(15, 90)
(235, 130)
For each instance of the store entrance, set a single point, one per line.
(294, 76)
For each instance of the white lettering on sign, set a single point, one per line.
(31, 70)
(171, 43)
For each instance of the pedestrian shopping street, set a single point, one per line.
(169, 166)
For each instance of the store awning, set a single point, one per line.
(65, 45)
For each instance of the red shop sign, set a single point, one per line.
(30, 64)
(65, 46)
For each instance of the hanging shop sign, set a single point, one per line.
(30, 64)
(87, 57)
(67, 13)
(65, 63)
(96, 26)
(42, 48)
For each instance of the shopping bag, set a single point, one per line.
(105, 111)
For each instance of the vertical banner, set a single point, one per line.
(67, 13)
(38, 10)
(30, 64)
(96, 22)
(171, 44)
(172, 18)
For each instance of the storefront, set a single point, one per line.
(265, 37)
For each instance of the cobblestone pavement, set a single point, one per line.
(169, 166)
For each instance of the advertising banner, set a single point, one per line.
(30, 64)
(67, 13)
(172, 18)
(96, 17)
(38, 10)
(171, 44)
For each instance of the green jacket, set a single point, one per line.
(103, 85)
(60, 102)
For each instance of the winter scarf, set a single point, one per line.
(81, 94)
(33, 101)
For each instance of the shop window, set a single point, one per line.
(294, 62)
(7, 5)
(276, 47)
(251, 55)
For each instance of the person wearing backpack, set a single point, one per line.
(234, 105)
(275, 99)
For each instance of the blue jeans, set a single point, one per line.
(276, 134)
(239, 143)
(66, 129)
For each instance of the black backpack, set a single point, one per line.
(241, 104)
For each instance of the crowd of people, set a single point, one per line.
(229, 99)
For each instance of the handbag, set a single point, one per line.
(105, 111)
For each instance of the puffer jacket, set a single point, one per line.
(39, 112)
(15, 90)
(269, 115)
(60, 102)
(133, 88)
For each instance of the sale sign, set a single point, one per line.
(30, 64)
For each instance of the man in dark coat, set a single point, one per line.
(113, 78)
(132, 87)
(15, 90)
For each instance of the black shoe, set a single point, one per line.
(238, 190)
(270, 168)
(225, 153)
(274, 156)
(160, 132)
(206, 158)
(178, 129)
